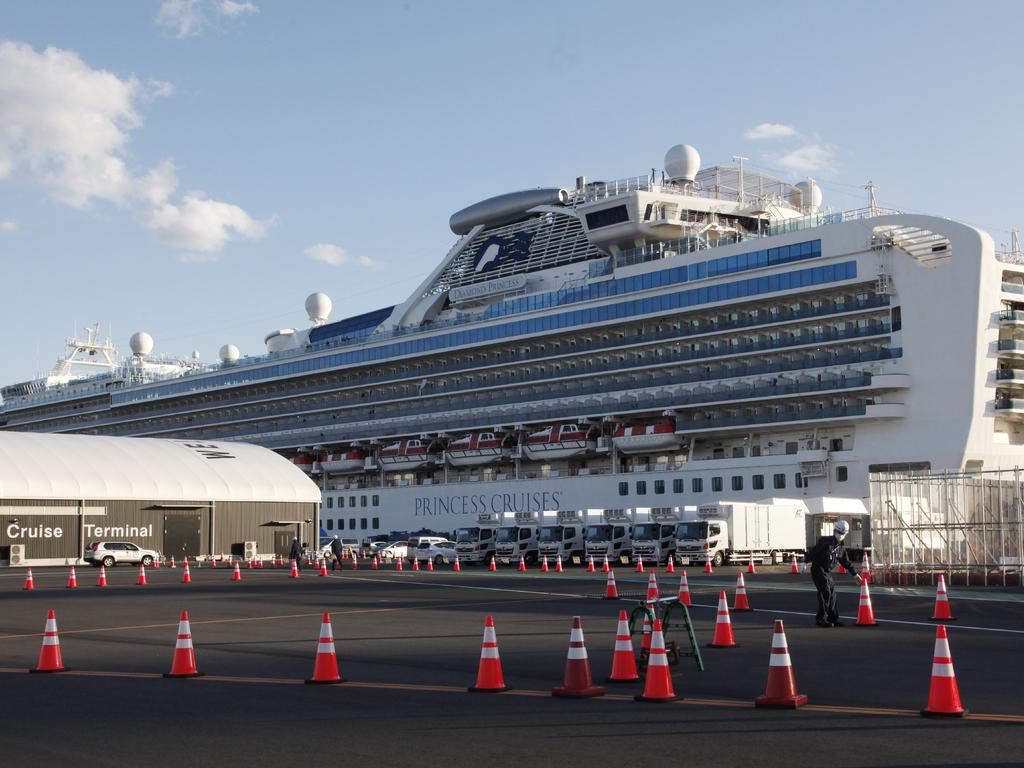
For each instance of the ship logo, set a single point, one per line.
(497, 250)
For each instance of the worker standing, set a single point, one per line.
(823, 557)
(337, 550)
(296, 552)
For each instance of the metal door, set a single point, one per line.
(181, 535)
(283, 542)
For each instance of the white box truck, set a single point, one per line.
(738, 532)
(612, 537)
(518, 538)
(655, 540)
(475, 544)
(563, 536)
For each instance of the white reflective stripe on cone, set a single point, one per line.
(327, 647)
(780, 660)
(51, 625)
(576, 636)
(942, 648)
(489, 653)
(51, 640)
(489, 635)
(325, 631)
(779, 640)
(576, 654)
(183, 642)
(623, 644)
(942, 670)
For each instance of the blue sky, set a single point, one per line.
(196, 168)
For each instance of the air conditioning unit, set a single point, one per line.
(250, 550)
(17, 554)
(813, 445)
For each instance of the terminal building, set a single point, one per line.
(179, 497)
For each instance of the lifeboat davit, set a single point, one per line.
(406, 454)
(644, 438)
(478, 448)
(346, 462)
(304, 461)
(558, 441)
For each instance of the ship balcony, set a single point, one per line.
(1011, 318)
(1011, 347)
(1011, 408)
(1010, 377)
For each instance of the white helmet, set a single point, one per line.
(841, 529)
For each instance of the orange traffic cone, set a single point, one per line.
(707, 566)
(639, 563)
(237, 574)
(213, 561)
(605, 567)
(723, 626)
(577, 682)
(398, 564)
(684, 589)
(103, 577)
(670, 566)
(590, 564)
(942, 611)
(430, 564)
(375, 563)
(280, 561)
(522, 563)
(658, 681)
(645, 635)
(457, 567)
(740, 603)
(355, 562)
(415, 564)
(865, 613)
(623, 661)
(172, 562)
(489, 678)
(494, 564)
(323, 567)
(558, 563)
(141, 581)
(793, 567)
(183, 664)
(652, 588)
(544, 564)
(156, 563)
(943, 696)
(750, 566)
(186, 575)
(325, 667)
(780, 690)
(29, 582)
(72, 579)
(610, 590)
(865, 567)
(295, 570)
(49, 655)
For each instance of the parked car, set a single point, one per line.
(110, 553)
(395, 550)
(437, 551)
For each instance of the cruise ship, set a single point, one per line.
(671, 340)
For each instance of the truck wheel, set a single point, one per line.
(718, 560)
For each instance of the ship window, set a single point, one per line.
(737, 482)
(641, 487)
(351, 523)
(897, 319)
(758, 482)
(659, 486)
(606, 217)
(697, 485)
(362, 501)
(791, 447)
(755, 450)
(842, 473)
(623, 488)
(717, 484)
(330, 502)
(375, 523)
(376, 502)
(738, 452)
(362, 523)
(330, 524)
(779, 480)
(798, 480)
(341, 502)
(351, 501)
(835, 444)
(677, 485)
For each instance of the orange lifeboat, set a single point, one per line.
(406, 454)
(346, 462)
(644, 438)
(558, 441)
(476, 448)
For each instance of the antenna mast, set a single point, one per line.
(872, 205)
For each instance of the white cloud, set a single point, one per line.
(201, 225)
(807, 159)
(7, 225)
(232, 8)
(337, 256)
(769, 131)
(190, 18)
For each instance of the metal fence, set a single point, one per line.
(967, 525)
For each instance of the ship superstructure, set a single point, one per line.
(662, 341)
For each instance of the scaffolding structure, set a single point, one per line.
(967, 525)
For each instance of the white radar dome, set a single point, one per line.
(141, 343)
(682, 163)
(229, 353)
(805, 195)
(318, 307)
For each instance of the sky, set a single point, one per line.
(196, 168)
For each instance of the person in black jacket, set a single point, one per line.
(296, 552)
(823, 557)
(337, 550)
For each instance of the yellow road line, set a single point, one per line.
(427, 688)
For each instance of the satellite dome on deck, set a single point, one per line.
(318, 307)
(141, 343)
(682, 163)
(229, 353)
(805, 195)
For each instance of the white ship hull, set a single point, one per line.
(563, 449)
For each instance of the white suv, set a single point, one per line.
(110, 553)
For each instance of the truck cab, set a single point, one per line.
(564, 537)
(518, 540)
(698, 541)
(612, 537)
(655, 541)
(475, 544)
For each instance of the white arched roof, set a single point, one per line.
(45, 466)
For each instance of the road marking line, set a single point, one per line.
(436, 688)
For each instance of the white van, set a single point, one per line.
(417, 546)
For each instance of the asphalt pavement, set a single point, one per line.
(408, 644)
